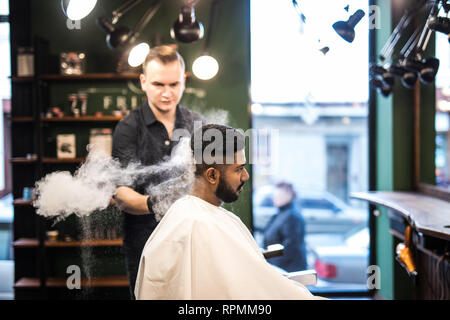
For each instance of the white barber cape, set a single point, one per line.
(201, 251)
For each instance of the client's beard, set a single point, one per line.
(225, 193)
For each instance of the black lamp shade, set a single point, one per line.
(428, 73)
(342, 29)
(440, 24)
(346, 29)
(116, 36)
(186, 28)
(397, 71)
(376, 69)
(394, 71)
(388, 78)
(409, 79)
(413, 65)
(384, 89)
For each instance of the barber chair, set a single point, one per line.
(305, 277)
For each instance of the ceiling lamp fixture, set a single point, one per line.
(415, 64)
(346, 29)
(384, 89)
(116, 36)
(187, 28)
(77, 9)
(429, 70)
(138, 54)
(388, 49)
(440, 24)
(409, 64)
(299, 11)
(206, 67)
(387, 74)
(125, 40)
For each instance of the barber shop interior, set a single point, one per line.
(225, 150)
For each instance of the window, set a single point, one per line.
(443, 112)
(5, 83)
(6, 212)
(311, 87)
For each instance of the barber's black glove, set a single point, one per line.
(149, 205)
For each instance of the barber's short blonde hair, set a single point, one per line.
(165, 54)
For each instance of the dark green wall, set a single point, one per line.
(395, 156)
(384, 169)
(229, 44)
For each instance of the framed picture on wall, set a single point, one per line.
(65, 146)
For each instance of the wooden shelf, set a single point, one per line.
(32, 243)
(27, 283)
(22, 119)
(25, 243)
(47, 160)
(23, 160)
(85, 243)
(63, 160)
(82, 119)
(425, 213)
(95, 282)
(90, 76)
(22, 79)
(21, 202)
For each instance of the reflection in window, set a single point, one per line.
(443, 112)
(5, 84)
(316, 102)
(6, 210)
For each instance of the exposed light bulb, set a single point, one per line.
(257, 108)
(205, 67)
(138, 54)
(78, 9)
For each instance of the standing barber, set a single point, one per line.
(145, 136)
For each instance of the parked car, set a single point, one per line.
(340, 258)
(322, 211)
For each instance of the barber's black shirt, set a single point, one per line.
(140, 137)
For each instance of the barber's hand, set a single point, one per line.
(130, 201)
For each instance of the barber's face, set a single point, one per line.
(232, 179)
(163, 84)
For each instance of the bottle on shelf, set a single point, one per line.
(83, 100)
(73, 103)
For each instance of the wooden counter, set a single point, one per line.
(428, 215)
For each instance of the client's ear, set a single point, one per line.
(212, 175)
